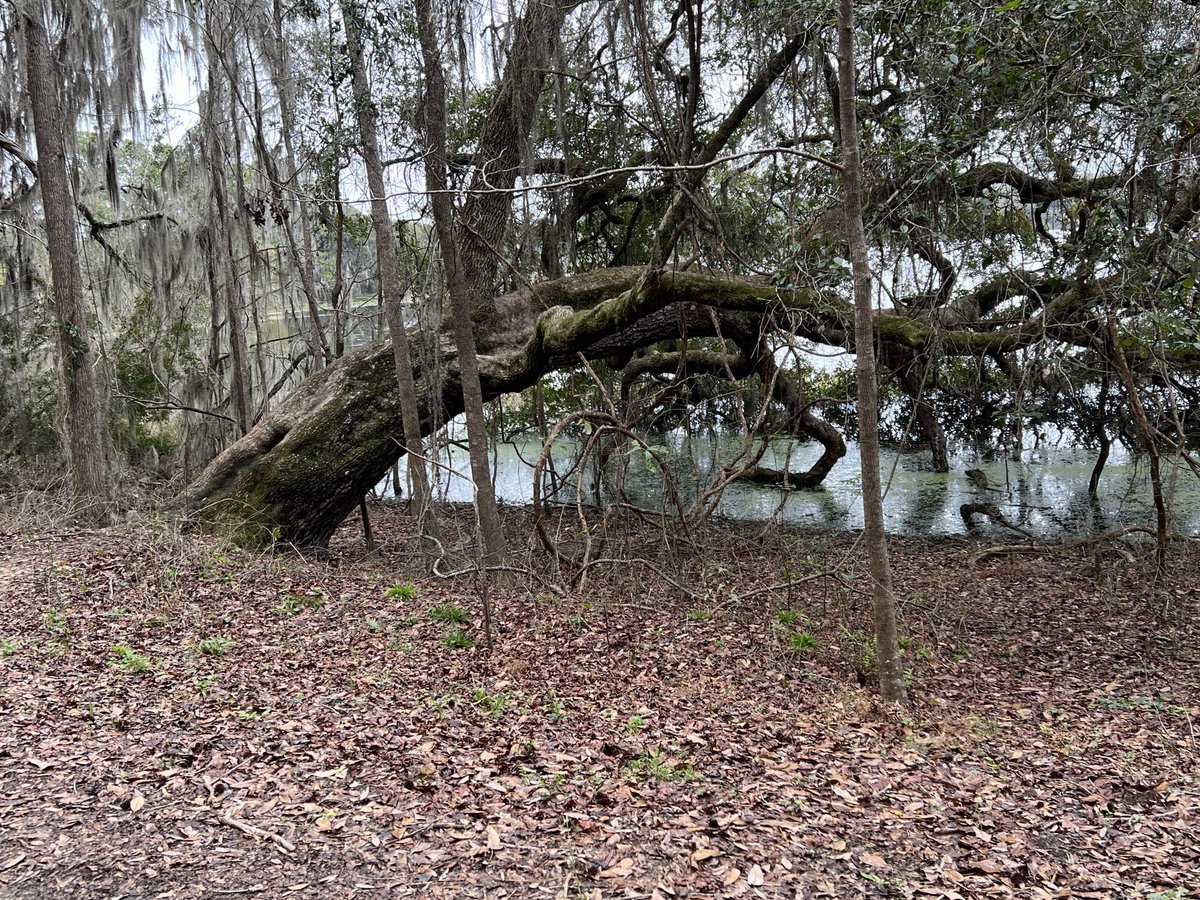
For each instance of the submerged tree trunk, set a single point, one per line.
(887, 649)
(86, 449)
(385, 248)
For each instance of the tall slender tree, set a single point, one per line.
(86, 447)
(887, 649)
(385, 247)
(434, 119)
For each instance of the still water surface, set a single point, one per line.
(1045, 492)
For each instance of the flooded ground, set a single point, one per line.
(1045, 492)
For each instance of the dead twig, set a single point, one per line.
(255, 831)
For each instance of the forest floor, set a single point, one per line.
(185, 718)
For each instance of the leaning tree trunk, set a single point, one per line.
(301, 470)
(84, 431)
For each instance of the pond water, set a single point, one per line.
(1045, 492)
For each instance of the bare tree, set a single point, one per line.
(434, 116)
(385, 248)
(887, 648)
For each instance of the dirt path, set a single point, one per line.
(187, 719)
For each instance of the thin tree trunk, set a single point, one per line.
(887, 649)
(1102, 435)
(239, 371)
(85, 436)
(385, 248)
(434, 114)
(1146, 433)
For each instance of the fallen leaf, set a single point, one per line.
(754, 877)
(493, 838)
(137, 802)
(620, 870)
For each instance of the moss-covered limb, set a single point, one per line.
(301, 470)
(692, 361)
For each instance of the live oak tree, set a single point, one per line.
(655, 188)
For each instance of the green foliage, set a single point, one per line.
(128, 661)
(295, 603)
(634, 725)
(8, 646)
(656, 764)
(457, 639)
(56, 624)
(402, 590)
(216, 645)
(448, 614)
(802, 642)
(494, 703)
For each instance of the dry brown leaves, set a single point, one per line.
(186, 719)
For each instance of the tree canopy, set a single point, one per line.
(646, 191)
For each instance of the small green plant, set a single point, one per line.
(56, 624)
(401, 590)
(203, 684)
(295, 603)
(374, 626)
(698, 615)
(216, 645)
(861, 651)
(457, 639)
(553, 707)
(656, 764)
(128, 661)
(1175, 893)
(634, 725)
(789, 618)
(910, 649)
(448, 614)
(1158, 704)
(8, 646)
(494, 703)
(156, 622)
(802, 641)
(577, 621)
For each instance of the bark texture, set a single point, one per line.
(85, 441)
(459, 289)
(887, 649)
(393, 294)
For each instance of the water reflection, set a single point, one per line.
(1045, 493)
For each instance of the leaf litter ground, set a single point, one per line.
(184, 718)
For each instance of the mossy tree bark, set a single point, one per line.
(300, 471)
